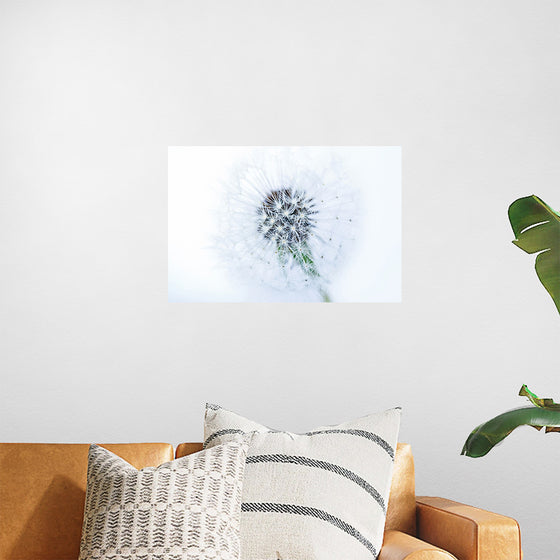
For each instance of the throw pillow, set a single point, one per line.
(313, 496)
(185, 509)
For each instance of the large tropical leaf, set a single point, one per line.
(544, 413)
(536, 227)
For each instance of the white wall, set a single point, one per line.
(93, 93)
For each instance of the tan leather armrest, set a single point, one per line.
(467, 532)
(400, 546)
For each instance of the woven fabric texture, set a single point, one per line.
(185, 509)
(313, 496)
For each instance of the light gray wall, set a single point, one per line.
(93, 93)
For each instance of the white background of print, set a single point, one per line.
(92, 95)
(370, 267)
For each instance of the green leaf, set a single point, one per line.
(537, 401)
(305, 259)
(483, 438)
(536, 227)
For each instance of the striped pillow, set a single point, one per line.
(312, 496)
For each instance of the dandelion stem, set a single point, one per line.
(325, 295)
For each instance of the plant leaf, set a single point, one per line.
(541, 403)
(536, 227)
(483, 438)
(304, 258)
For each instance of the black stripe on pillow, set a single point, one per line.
(311, 512)
(221, 433)
(360, 433)
(315, 463)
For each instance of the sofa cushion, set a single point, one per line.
(42, 492)
(186, 509)
(401, 510)
(322, 494)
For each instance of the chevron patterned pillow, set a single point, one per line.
(312, 496)
(187, 509)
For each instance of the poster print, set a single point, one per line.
(284, 224)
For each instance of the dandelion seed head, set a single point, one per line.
(285, 207)
(286, 219)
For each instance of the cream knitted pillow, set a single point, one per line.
(187, 509)
(321, 495)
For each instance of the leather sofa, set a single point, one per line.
(42, 492)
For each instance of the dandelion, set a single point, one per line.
(288, 219)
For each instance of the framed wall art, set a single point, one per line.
(284, 224)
